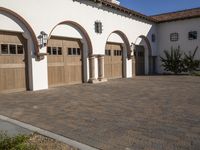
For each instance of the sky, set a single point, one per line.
(152, 7)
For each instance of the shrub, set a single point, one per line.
(176, 63)
(173, 61)
(190, 64)
(18, 142)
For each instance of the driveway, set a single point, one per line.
(145, 113)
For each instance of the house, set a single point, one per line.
(48, 43)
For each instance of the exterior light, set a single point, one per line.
(42, 39)
(133, 49)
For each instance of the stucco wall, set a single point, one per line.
(182, 27)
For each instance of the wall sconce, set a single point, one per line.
(133, 49)
(42, 39)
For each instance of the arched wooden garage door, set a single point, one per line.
(64, 61)
(113, 60)
(12, 61)
(140, 60)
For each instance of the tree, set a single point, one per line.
(173, 61)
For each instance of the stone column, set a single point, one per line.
(101, 68)
(150, 65)
(133, 67)
(92, 69)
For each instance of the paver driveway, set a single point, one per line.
(151, 113)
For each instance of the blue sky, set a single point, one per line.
(151, 7)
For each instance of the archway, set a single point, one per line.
(16, 51)
(142, 64)
(69, 64)
(81, 30)
(116, 53)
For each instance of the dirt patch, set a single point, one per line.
(45, 143)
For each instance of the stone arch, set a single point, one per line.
(126, 53)
(125, 39)
(148, 43)
(148, 53)
(23, 24)
(80, 29)
(32, 43)
(87, 47)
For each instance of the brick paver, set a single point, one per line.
(146, 113)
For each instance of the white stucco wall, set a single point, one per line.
(115, 38)
(182, 27)
(66, 31)
(43, 18)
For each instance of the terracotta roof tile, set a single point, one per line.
(122, 9)
(179, 15)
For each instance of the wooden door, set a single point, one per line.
(113, 61)
(140, 60)
(64, 61)
(12, 62)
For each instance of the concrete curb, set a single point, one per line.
(49, 134)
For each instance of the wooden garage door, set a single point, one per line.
(113, 60)
(12, 62)
(140, 60)
(64, 61)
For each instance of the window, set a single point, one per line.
(98, 27)
(20, 49)
(174, 37)
(117, 53)
(74, 51)
(153, 37)
(4, 49)
(12, 49)
(59, 50)
(49, 50)
(54, 51)
(192, 35)
(108, 52)
(69, 51)
(120, 53)
(78, 51)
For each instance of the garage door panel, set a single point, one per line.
(71, 43)
(55, 42)
(57, 75)
(140, 60)
(11, 37)
(12, 63)
(108, 66)
(11, 59)
(71, 60)
(73, 69)
(113, 61)
(19, 78)
(12, 79)
(54, 59)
